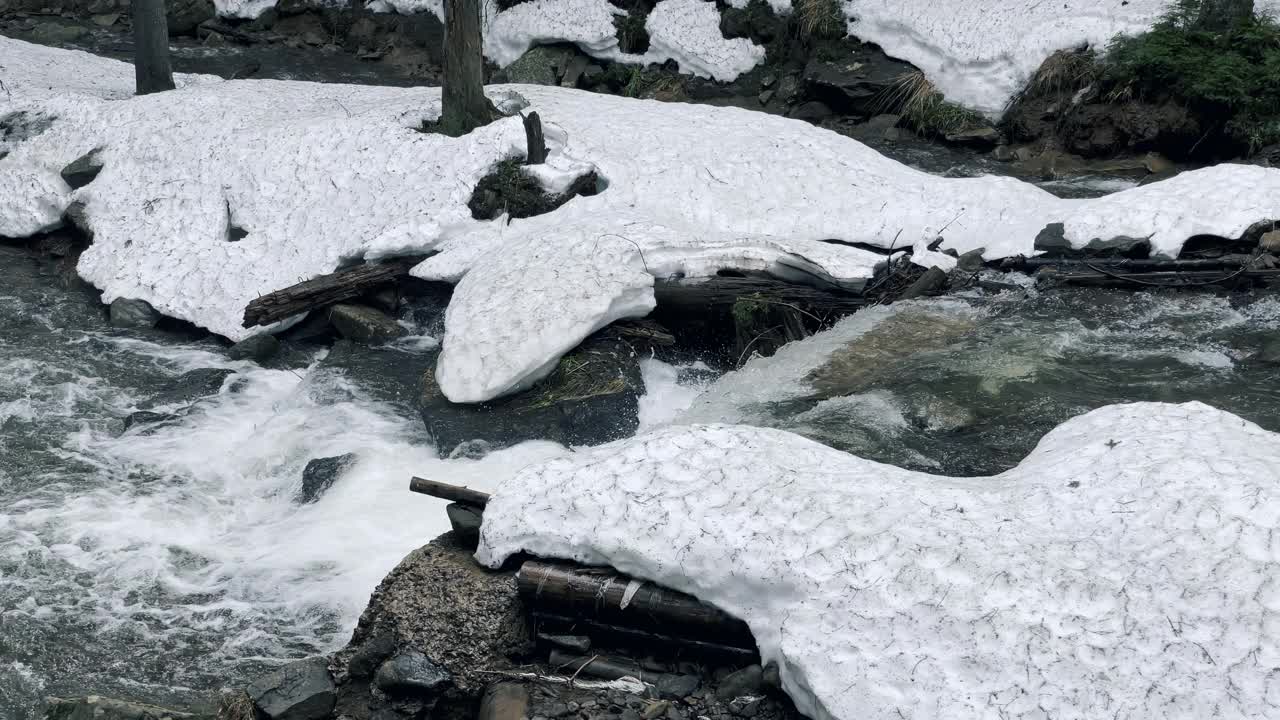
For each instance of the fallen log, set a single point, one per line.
(1232, 261)
(602, 595)
(452, 493)
(324, 290)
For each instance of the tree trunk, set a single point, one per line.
(1222, 15)
(324, 290)
(465, 107)
(151, 47)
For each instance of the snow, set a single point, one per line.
(1126, 568)
(323, 175)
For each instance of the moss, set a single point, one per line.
(1230, 78)
(577, 377)
(642, 82)
(509, 190)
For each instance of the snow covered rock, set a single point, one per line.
(1126, 568)
(320, 175)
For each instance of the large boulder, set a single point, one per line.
(590, 398)
(260, 348)
(82, 170)
(542, 65)
(301, 690)
(437, 612)
(94, 707)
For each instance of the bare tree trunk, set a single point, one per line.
(1221, 15)
(151, 47)
(465, 107)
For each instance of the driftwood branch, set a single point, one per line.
(452, 493)
(324, 290)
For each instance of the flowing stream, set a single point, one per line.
(165, 560)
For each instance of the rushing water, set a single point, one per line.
(167, 560)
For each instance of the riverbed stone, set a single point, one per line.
(135, 314)
(542, 65)
(301, 690)
(746, 681)
(362, 323)
(592, 397)
(413, 673)
(55, 33)
(258, 348)
(188, 387)
(96, 707)
(320, 474)
(855, 84)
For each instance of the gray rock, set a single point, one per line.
(184, 16)
(52, 33)
(302, 690)
(788, 88)
(765, 96)
(630, 714)
(573, 71)
(368, 657)
(746, 681)
(258, 348)
(576, 643)
(1269, 241)
(320, 475)
(772, 677)
(364, 324)
(677, 686)
(137, 314)
(82, 170)
(542, 65)
(105, 19)
(465, 522)
(593, 75)
(94, 707)
(411, 673)
(1004, 153)
(77, 216)
(931, 282)
(146, 417)
(190, 386)
(971, 260)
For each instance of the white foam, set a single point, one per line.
(665, 395)
(1125, 568)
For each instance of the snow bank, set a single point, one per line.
(320, 175)
(1126, 568)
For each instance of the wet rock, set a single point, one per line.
(440, 603)
(465, 522)
(136, 314)
(258, 348)
(361, 323)
(590, 398)
(1004, 153)
(1157, 164)
(94, 707)
(52, 33)
(146, 417)
(184, 16)
(812, 111)
(746, 681)
(82, 170)
(1270, 352)
(979, 137)
(470, 450)
(77, 217)
(577, 643)
(105, 19)
(411, 673)
(542, 65)
(971, 260)
(593, 75)
(189, 386)
(856, 84)
(302, 690)
(367, 658)
(320, 475)
(931, 282)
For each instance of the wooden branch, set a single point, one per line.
(699, 294)
(605, 596)
(654, 640)
(452, 493)
(1231, 261)
(1100, 276)
(324, 290)
(537, 148)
